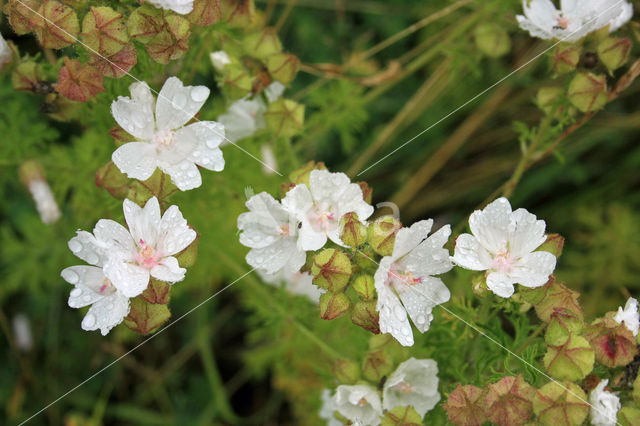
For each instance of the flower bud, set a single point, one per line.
(263, 43)
(109, 177)
(172, 42)
(331, 270)
(282, 67)
(20, 13)
(562, 324)
(285, 117)
(365, 287)
(508, 401)
(333, 305)
(492, 40)
(65, 31)
(301, 174)
(352, 232)
(104, 30)
(346, 371)
(376, 365)
(588, 92)
(465, 406)
(205, 13)
(157, 292)
(614, 52)
(614, 343)
(565, 58)
(556, 298)
(554, 245)
(572, 360)
(479, 285)
(187, 257)
(237, 81)
(560, 405)
(382, 234)
(629, 416)
(145, 317)
(238, 13)
(367, 191)
(79, 81)
(402, 416)
(364, 259)
(145, 22)
(365, 315)
(118, 65)
(25, 77)
(547, 99)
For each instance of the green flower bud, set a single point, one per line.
(554, 245)
(104, 30)
(382, 234)
(614, 343)
(109, 177)
(556, 298)
(492, 40)
(364, 259)
(367, 192)
(402, 416)
(331, 270)
(365, 315)
(237, 81)
(479, 285)
(588, 92)
(263, 43)
(465, 406)
(145, 22)
(547, 99)
(560, 405)
(365, 287)
(333, 305)
(25, 77)
(614, 52)
(65, 31)
(205, 13)
(238, 13)
(376, 365)
(285, 117)
(629, 416)
(565, 58)
(352, 232)
(20, 13)
(346, 371)
(562, 324)
(145, 317)
(301, 174)
(572, 360)
(79, 81)
(508, 401)
(282, 67)
(188, 256)
(172, 42)
(157, 292)
(117, 65)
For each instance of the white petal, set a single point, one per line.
(106, 313)
(298, 201)
(528, 234)
(88, 248)
(272, 258)
(219, 59)
(174, 233)
(629, 316)
(604, 406)
(178, 104)
(358, 403)
(493, 225)
(469, 254)
(185, 175)
(408, 238)
(422, 377)
(143, 223)
(208, 135)
(135, 115)
(87, 281)
(274, 91)
(420, 299)
(500, 284)
(429, 257)
(168, 270)
(182, 7)
(129, 279)
(114, 233)
(243, 118)
(533, 270)
(138, 160)
(310, 239)
(393, 317)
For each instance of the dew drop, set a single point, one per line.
(76, 292)
(71, 277)
(75, 246)
(421, 319)
(196, 153)
(86, 298)
(184, 166)
(192, 173)
(199, 93)
(399, 312)
(110, 306)
(92, 258)
(89, 321)
(406, 331)
(211, 143)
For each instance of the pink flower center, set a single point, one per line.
(106, 284)
(502, 261)
(562, 22)
(322, 219)
(163, 138)
(405, 277)
(405, 387)
(363, 401)
(147, 257)
(284, 230)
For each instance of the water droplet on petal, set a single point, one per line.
(421, 319)
(76, 292)
(92, 258)
(110, 306)
(399, 312)
(88, 321)
(196, 153)
(406, 331)
(71, 277)
(75, 246)
(86, 298)
(199, 93)
(211, 143)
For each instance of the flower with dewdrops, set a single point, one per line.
(163, 139)
(272, 234)
(503, 244)
(604, 406)
(299, 283)
(574, 20)
(45, 203)
(5, 52)
(358, 403)
(179, 6)
(405, 283)
(328, 408)
(219, 59)
(629, 316)
(414, 383)
(320, 205)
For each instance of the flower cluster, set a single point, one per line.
(413, 384)
(122, 261)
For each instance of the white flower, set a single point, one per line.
(274, 91)
(414, 383)
(45, 203)
(272, 234)
(163, 141)
(574, 20)
(629, 316)
(300, 283)
(358, 403)
(503, 244)
(328, 408)
(5, 52)
(604, 406)
(320, 206)
(179, 6)
(243, 118)
(219, 59)
(405, 283)
(270, 164)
